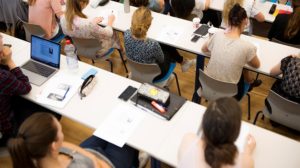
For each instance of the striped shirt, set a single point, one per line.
(12, 83)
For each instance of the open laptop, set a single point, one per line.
(44, 62)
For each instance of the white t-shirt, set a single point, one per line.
(251, 9)
(228, 57)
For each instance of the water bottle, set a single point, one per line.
(72, 60)
(126, 6)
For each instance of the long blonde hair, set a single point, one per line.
(31, 2)
(141, 21)
(228, 6)
(293, 26)
(74, 9)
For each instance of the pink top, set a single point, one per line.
(43, 13)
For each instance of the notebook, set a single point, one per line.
(176, 103)
(44, 60)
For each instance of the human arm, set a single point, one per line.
(56, 7)
(276, 70)
(97, 162)
(247, 155)
(259, 17)
(255, 63)
(207, 3)
(14, 82)
(100, 32)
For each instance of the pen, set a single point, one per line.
(66, 93)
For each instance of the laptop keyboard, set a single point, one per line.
(38, 68)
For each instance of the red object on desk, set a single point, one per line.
(284, 12)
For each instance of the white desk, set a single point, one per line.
(264, 7)
(270, 53)
(158, 137)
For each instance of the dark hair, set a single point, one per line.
(33, 140)
(139, 3)
(236, 15)
(221, 126)
(293, 26)
(183, 8)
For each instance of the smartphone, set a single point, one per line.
(195, 38)
(127, 93)
(272, 9)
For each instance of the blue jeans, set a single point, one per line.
(125, 157)
(199, 65)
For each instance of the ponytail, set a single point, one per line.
(140, 23)
(19, 153)
(293, 26)
(33, 141)
(221, 126)
(224, 154)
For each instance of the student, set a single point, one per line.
(141, 49)
(154, 5)
(188, 9)
(214, 146)
(12, 83)
(289, 85)
(286, 27)
(76, 24)
(251, 10)
(40, 144)
(229, 53)
(44, 13)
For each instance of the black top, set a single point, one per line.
(289, 85)
(278, 28)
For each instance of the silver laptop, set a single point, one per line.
(44, 62)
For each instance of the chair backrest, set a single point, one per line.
(284, 43)
(213, 89)
(283, 111)
(87, 47)
(32, 29)
(143, 72)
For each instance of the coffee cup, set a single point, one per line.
(196, 22)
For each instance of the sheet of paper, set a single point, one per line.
(59, 90)
(106, 13)
(170, 33)
(240, 142)
(120, 124)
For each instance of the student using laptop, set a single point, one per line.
(214, 145)
(12, 83)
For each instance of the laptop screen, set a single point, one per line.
(45, 51)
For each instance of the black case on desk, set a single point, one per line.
(176, 103)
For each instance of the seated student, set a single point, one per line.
(12, 83)
(76, 24)
(251, 10)
(154, 5)
(141, 49)
(289, 85)
(43, 12)
(229, 53)
(286, 27)
(214, 145)
(188, 9)
(40, 143)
